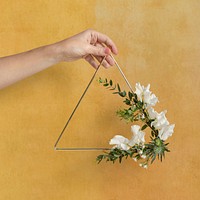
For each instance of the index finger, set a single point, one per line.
(102, 38)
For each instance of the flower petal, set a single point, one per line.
(166, 132)
(120, 142)
(138, 136)
(118, 139)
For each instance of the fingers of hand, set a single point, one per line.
(96, 37)
(99, 46)
(101, 38)
(97, 50)
(91, 61)
(95, 63)
(108, 61)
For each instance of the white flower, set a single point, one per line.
(139, 91)
(135, 159)
(152, 113)
(160, 120)
(161, 123)
(145, 166)
(166, 131)
(120, 142)
(140, 152)
(143, 156)
(145, 95)
(138, 136)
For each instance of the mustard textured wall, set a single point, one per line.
(158, 42)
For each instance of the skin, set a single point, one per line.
(89, 45)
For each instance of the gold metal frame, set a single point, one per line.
(62, 132)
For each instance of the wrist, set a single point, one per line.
(54, 52)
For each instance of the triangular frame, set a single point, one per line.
(62, 132)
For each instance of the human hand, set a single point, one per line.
(89, 45)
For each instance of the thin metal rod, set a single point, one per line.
(90, 148)
(81, 149)
(78, 103)
(129, 85)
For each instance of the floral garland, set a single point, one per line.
(140, 108)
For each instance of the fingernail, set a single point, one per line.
(107, 50)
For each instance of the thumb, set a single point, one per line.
(99, 51)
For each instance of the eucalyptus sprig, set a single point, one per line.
(138, 108)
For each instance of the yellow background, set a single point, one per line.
(158, 42)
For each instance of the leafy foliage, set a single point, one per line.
(135, 111)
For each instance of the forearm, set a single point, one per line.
(17, 67)
(90, 45)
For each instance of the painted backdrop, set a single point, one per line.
(158, 42)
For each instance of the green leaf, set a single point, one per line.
(135, 96)
(153, 158)
(120, 159)
(111, 83)
(122, 94)
(99, 158)
(130, 94)
(134, 108)
(119, 89)
(143, 127)
(152, 133)
(139, 104)
(127, 102)
(100, 80)
(130, 112)
(105, 84)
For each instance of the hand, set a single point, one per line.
(89, 45)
